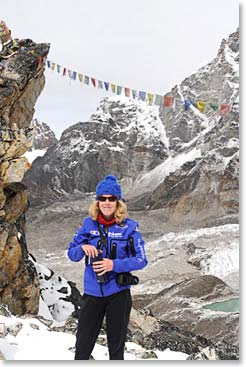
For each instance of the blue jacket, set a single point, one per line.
(118, 235)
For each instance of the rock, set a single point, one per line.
(44, 137)
(21, 80)
(182, 305)
(14, 329)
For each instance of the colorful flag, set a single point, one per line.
(48, 63)
(134, 93)
(64, 71)
(93, 80)
(53, 66)
(168, 101)
(142, 95)
(40, 59)
(80, 77)
(201, 106)
(113, 86)
(69, 73)
(224, 109)
(58, 67)
(187, 104)
(100, 84)
(86, 80)
(119, 89)
(214, 106)
(74, 75)
(150, 98)
(158, 99)
(106, 84)
(127, 92)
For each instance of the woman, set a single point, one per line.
(119, 244)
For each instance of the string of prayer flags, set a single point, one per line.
(201, 106)
(167, 101)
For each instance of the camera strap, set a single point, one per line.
(103, 238)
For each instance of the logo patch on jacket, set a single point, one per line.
(94, 232)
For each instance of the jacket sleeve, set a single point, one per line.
(132, 263)
(75, 252)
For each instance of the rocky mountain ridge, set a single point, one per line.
(185, 162)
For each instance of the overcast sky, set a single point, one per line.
(145, 45)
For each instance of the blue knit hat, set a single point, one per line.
(109, 186)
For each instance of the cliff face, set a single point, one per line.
(21, 82)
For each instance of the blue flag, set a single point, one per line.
(106, 85)
(187, 104)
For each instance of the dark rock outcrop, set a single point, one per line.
(21, 82)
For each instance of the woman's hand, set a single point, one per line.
(101, 267)
(89, 250)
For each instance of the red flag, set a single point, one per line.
(224, 109)
(64, 71)
(127, 92)
(40, 59)
(168, 101)
(93, 81)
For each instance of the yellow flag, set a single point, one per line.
(150, 98)
(201, 106)
(81, 77)
(113, 86)
(53, 66)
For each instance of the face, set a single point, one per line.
(107, 207)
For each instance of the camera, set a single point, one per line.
(127, 279)
(100, 278)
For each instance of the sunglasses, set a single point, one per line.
(103, 198)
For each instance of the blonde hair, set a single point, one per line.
(119, 214)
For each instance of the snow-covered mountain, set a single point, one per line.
(186, 162)
(124, 137)
(44, 137)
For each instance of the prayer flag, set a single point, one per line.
(106, 84)
(113, 86)
(168, 101)
(134, 93)
(86, 80)
(74, 75)
(119, 88)
(214, 106)
(93, 80)
(187, 104)
(100, 84)
(48, 63)
(69, 73)
(127, 92)
(64, 71)
(142, 95)
(58, 67)
(80, 77)
(201, 106)
(224, 109)
(40, 59)
(158, 99)
(53, 66)
(150, 98)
